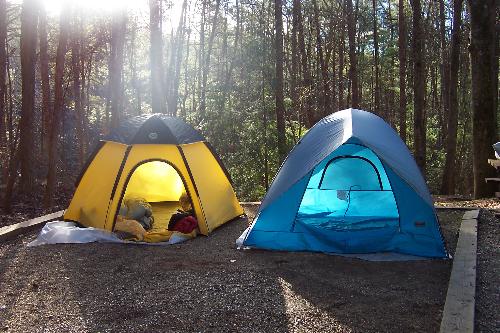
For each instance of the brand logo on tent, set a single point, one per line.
(153, 136)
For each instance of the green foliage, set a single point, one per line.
(240, 119)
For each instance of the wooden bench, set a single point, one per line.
(496, 164)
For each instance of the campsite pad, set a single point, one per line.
(205, 285)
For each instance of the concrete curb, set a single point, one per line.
(458, 313)
(13, 230)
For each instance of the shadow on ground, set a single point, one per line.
(206, 285)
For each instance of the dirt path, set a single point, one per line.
(206, 285)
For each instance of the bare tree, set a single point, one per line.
(3, 67)
(341, 46)
(402, 69)
(206, 62)
(376, 60)
(133, 68)
(278, 90)
(419, 123)
(484, 127)
(45, 75)
(58, 105)
(306, 74)
(156, 58)
(325, 95)
(29, 19)
(77, 91)
(445, 68)
(294, 73)
(353, 61)
(448, 183)
(118, 30)
(174, 67)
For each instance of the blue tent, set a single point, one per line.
(350, 185)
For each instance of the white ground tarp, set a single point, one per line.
(59, 232)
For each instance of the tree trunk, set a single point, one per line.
(77, 92)
(228, 79)
(377, 109)
(175, 63)
(342, 104)
(156, 58)
(484, 128)
(390, 105)
(133, 68)
(445, 69)
(45, 75)
(353, 61)
(206, 62)
(307, 83)
(419, 86)
(58, 105)
(448, 184)
(333, 62)
(294, 74)
(278, 90)
(118, 31)
(12, 145)
(325, 96)
(3, 67)
(85, 57)
(187, 78)
(29, 18)
(402, 70)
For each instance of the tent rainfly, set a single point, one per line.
(155, 157)
(350, 185)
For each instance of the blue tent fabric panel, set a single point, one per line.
(322, 201)
(344, 223)
(332, 204)
(279, 216)
(419, 222)
(319, 240)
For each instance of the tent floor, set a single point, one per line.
(344, 223)
(162, 211)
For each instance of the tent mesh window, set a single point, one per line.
(348, 192)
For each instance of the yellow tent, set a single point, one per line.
(157, 158)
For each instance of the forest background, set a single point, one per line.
(251, 75)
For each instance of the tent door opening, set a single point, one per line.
(348, 193)
(160, 185)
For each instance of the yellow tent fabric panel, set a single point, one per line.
(91, 199)
(143, 153)
(155, 181)
(216, 193)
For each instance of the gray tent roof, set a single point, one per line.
(334, 130)
(155, 128)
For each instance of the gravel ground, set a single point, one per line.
(205, 285)
(488, 274)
